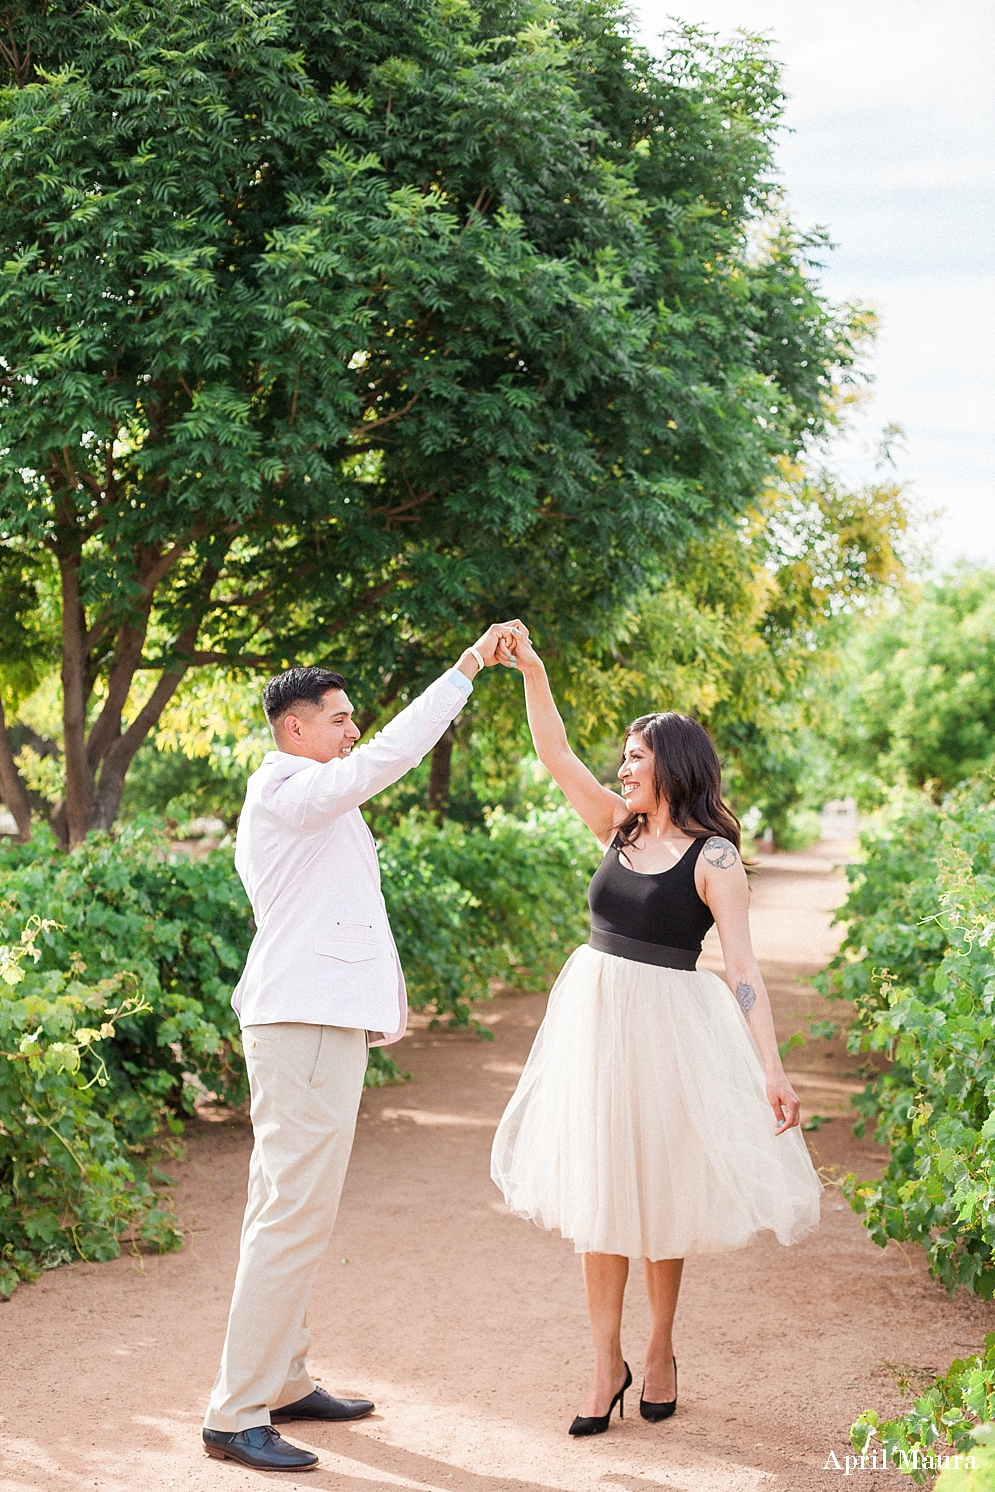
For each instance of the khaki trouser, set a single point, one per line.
(306, 1083)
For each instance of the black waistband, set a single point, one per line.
(643, 953)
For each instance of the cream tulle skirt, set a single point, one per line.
(641, 1126)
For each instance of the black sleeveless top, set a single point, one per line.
(653, 919)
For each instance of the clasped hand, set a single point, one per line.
(499, 643)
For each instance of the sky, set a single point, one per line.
(889, 142)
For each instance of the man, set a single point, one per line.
(321, 982)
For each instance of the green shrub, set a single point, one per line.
(472, 906)
(979, 1477)
(68, 1187)
(181, 926)
(919, 962)
(948, 1429)
(469, 908)
(892, 903)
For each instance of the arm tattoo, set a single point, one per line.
(720, 853)
(746, 995)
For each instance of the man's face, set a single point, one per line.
(321, 732)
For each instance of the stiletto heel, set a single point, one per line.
(597, 1424)
(656, 1412)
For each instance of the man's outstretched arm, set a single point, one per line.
(321, 792)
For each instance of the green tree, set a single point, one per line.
(748, 635)
(919, 703)
(328, 333)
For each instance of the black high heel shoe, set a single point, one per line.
(656, 1412)
(597, 1424)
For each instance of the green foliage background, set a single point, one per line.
(333, 334)
(918, 962)
(469, 908)
(951, 1424)
(917, 695)
(69, 1184)
(919, 965)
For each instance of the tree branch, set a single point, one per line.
(248, 660)
(366, 716)
(127, 656)
(22, 67)
(403, 508)
(481, 205)
(148, 581)
(368, 429)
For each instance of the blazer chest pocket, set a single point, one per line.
(350, 941)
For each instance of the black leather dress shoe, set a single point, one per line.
(319, 1405)
(262, 1448)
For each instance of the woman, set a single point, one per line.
(642, 1123)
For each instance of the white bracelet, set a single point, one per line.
(478, 656)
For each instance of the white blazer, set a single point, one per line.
(323, 953)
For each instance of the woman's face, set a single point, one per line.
(636, 775)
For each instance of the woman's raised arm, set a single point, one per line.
(600, 808)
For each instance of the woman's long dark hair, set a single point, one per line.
(687, 773)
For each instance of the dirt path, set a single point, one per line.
(467, 1326)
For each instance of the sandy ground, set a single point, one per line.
(468, 1326)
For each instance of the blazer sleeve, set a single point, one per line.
(311, 798)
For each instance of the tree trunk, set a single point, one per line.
(96, 764)
(71, 820)
(12, 789)
(121, 754)
(440, 774)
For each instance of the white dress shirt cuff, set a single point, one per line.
(459, 681)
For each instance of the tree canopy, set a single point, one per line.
(331, 333)
(919, 701)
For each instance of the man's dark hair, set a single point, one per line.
(296, 687)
